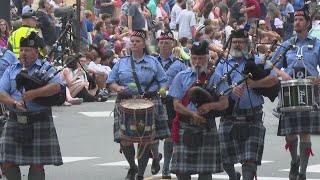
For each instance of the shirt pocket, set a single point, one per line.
(13, 84)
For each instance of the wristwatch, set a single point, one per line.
(14, 105)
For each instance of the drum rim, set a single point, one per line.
(297, 82)
(296, 108)
(142, 109)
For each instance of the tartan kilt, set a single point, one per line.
(161, 118)
(168, 103)
(234, 151)
(44, 150)
(301, 122)
(203, 159)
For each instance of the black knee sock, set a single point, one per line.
(36, 175)
(12, 173)
(129, 153)
(167, 153)
(143, 159)
(305, 152)
(248, 171)
(155, 150)
(230, 170)
(293, 148)
(183, 176)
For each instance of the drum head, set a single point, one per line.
(137, 104)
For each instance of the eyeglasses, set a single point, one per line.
(2, 24)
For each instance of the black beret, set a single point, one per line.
(241, 33)
(140, 33)
(31, 41)
(200, 48)
(304, 11)
(166, 35)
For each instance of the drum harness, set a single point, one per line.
(299, 56)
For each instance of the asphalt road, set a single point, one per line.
(86, 138)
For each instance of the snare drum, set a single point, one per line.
(137, 120)
(297, 95)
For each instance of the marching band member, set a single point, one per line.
(29, 136)
(242, 144)
(149, 72)
(197, 145)
(7, 58)
(292, 124)
(172, 67)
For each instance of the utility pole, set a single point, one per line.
(78, 24)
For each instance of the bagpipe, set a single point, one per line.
(201, 94)
(258, 72)
(37, 80)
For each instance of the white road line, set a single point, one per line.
(125, 163)
(111, 100)
(98, 113)
(311, 168)
(227, 177)
(73, 159)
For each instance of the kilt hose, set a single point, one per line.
(238, 151)
(43, 150)
(161, 118)
(307, 122)
(203, 159)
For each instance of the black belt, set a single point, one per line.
(145, 95)
(29, 117)
(187, 122)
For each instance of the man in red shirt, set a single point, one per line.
(252, 8)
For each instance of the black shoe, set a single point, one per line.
(132, 173)
(155, 167)
(139, 177)
(301, 177)
(166, 174)
(238, 175)
(294, 170)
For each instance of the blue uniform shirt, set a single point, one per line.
(184, 80)
(176, 67)
(8, 83)
(6, 60)
(146, 69)
(244, 102)
(310, 55)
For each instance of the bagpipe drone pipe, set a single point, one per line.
(38, 80)
(258, 72)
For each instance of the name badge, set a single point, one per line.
(22, 119)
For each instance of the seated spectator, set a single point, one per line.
(100, 72)
(76, 80)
